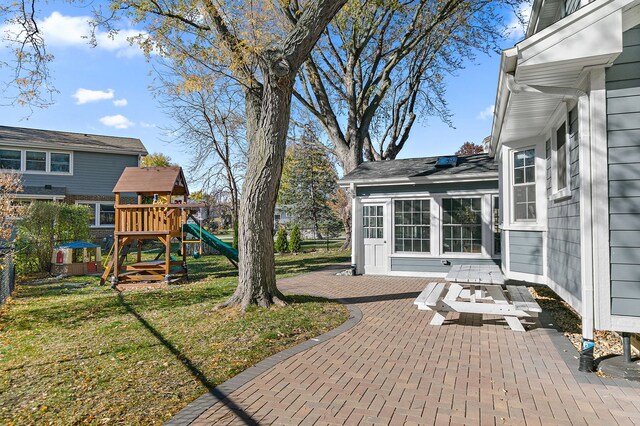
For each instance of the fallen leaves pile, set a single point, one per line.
(607, 342)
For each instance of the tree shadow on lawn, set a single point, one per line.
(100, 302)
(189, 365)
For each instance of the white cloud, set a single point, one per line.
(147, 125)
(118, 121)
(61, 30)
(486, 113)
(120, 102)
(84, 96)
(515, 27)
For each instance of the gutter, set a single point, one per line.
(586, 182)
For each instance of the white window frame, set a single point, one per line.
(496, 225)
(556, 192)
(96, 207)
(47, 171)
(393, 226)
(484, 248)
(512, 186)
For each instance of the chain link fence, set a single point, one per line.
(7, 274)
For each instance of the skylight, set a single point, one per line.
(449, 161)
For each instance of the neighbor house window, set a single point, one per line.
(60, 162)
(10, 159)
(100, 214)
(372, 221)
(461, 225)
(524, 185)
(36, 161)
(412, 223)
(28, 161)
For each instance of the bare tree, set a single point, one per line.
(210, 124)
(380, 65)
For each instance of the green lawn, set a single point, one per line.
(74, 352)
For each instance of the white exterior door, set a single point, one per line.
(375, 244)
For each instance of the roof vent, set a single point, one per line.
(47, 187)
(449, 161)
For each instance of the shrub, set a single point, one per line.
(281, 245)
(44, 226)
(295, 240)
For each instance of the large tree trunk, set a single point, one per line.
(267, 125)
(349, 157)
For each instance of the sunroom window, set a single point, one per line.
(524, 185)
(411, 227)
(461, 225)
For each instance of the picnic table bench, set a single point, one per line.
(480, 290)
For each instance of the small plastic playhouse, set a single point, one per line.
(76, 258)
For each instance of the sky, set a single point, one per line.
(105, 90)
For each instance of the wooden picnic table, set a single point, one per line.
(478, 289)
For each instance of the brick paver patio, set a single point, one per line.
(394, 368)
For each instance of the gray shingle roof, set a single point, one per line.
(421, 168)
(51, 139)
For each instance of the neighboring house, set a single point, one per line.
(281, 217)
(420, 216)
(566, 133)
(70, 167)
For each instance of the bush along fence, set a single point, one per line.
(7, 274)
(307, 239)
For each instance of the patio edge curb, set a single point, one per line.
(195, 408)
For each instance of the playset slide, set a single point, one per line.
(210, 239)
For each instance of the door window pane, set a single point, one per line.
(36, 161)
(9, 159)
(372, 221)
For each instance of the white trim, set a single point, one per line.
(392, 227)
(600, 203)
(521, 276)
(625, 323)
(48, 152)
(512, 186)
(415, 274)
(462, 177)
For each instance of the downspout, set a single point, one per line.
(354, 234)
(586, 252)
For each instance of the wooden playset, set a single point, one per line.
(159, 214)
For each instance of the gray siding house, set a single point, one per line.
(561, 181)
(74, 168)
(419, 216)
(566, 134)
